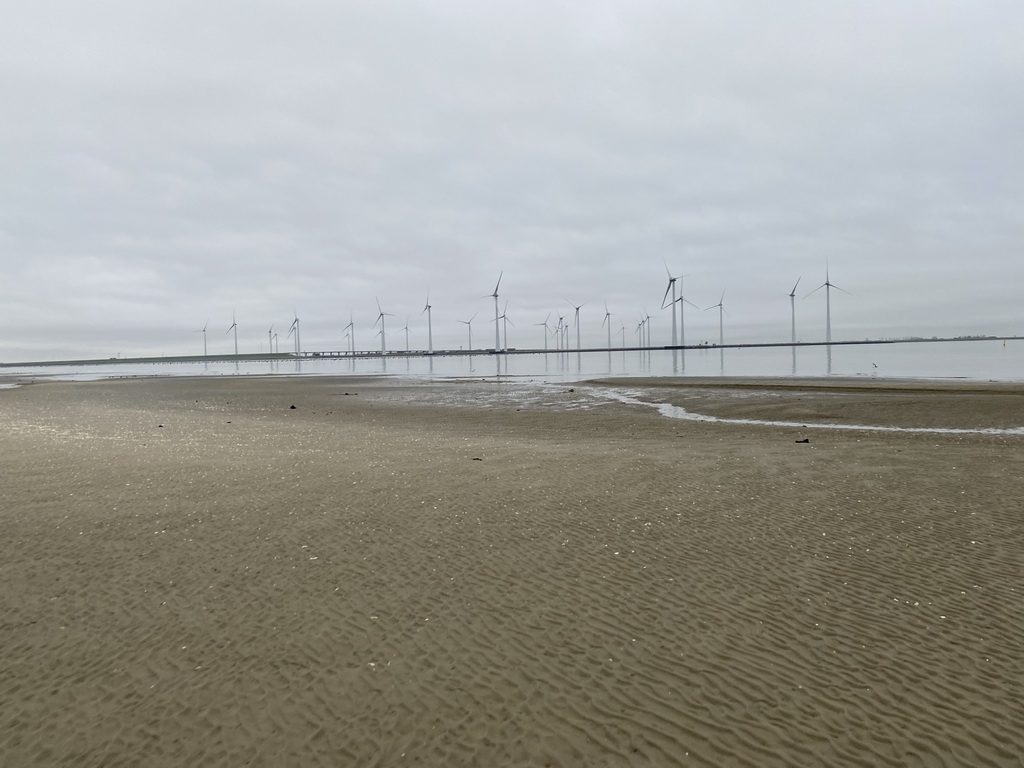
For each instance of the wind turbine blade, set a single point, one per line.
(500, 274)
(793, 292)
(667, 289)
(691, 303)
(816, 290)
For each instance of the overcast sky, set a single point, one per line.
(165, 164)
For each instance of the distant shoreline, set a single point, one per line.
(366, 354)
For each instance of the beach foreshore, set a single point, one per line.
(345, 571)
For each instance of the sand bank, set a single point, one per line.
(196, 573)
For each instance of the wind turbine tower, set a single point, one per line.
(792, 312)
(546, 331)
(381, 314)
(682, 320)
(497, 334)
(234, 327)
(469, 325)
(608, 321)
(294, 328)
(505, 321)
(351, 328)
(828, 286)
(576, 320)
(721, 309)
(671, 287)
(203, 331)
(430, 328)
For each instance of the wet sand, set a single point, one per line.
(195, 573)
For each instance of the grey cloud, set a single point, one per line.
(169, 162)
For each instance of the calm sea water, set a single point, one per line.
(973, 360)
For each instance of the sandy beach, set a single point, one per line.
(389, 573)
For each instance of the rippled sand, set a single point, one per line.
(195, 573)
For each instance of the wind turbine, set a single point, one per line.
(430, 328)
(792, 312)
(234, 327)
(203, 331)
(607, 321)
(505, 321)
(351, 328)
(559, 332)
(671, 287)
(294, 327)
(381, 314)
(576, 320)
(682, 320)
(270, 339)
(406, 329)
(721, 309)
(546, 330)
(828, 286)
(647, 327)
(469, 325)
(497, 339)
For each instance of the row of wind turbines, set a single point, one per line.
(560, 331)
